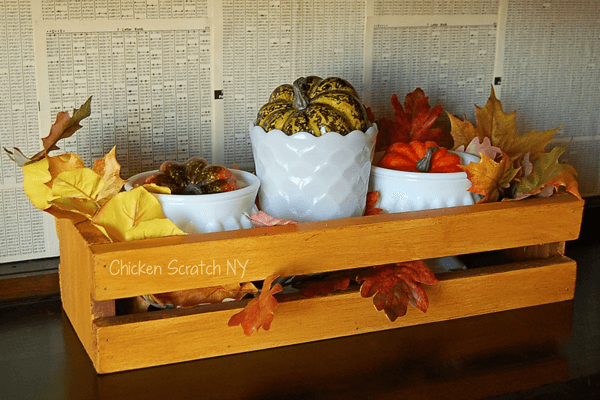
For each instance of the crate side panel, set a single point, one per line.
(125, 346)
(132, 268)
(75, 282)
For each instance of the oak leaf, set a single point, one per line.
(546, 176)
(394, 286)
(208, 295)
(135, 214)
(489, 178)
(413, 122)
(259, 311)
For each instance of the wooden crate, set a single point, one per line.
(94, 273)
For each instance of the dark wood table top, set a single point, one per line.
(550, 351)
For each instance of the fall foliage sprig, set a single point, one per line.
(512, 167)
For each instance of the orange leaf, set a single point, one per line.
(327, 284)
(259, 311)
(489, 178)
(463, 132)
(394, 286)
(261, 219)
(372, 198)
(62, 163)
(208, 295)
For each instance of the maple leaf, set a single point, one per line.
(413, 122)
(394, 286)
(261, 219)
(501, 129)
(489, 178)
(259, 311)
(208, 295)
(310, 286)
(370, 208)
(131, 215)
(546, 176)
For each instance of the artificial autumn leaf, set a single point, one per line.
(77, 190)
(413, 122)
(309, 286)
(259, 311)
(123, 217)
(261, 219)
(477, 147)
(394, 286)
(63, 163)
(35, 179)
(208, 295)
(489, 178)
(546, 176)
(501, 129)
(64, 126)
(17, 156)
(372, 198)
(154, 188)
(109, 169)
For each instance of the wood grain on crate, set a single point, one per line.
(329, 245)
(139, 341)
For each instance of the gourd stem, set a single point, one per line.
(300, 99)
(424, 164)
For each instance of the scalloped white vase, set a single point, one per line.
(308, 178)
(209, 212)
(401, 191)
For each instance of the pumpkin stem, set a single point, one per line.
(300, 99)
(424, 164)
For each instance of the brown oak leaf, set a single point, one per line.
(259, 311)
(394, 286)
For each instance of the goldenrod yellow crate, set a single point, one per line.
(95, 273)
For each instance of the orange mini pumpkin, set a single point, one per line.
(420, 157)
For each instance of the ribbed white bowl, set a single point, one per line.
(209, 212)
(401, 191)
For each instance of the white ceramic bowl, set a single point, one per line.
(209, 212)
(308, 178)
(401, 191)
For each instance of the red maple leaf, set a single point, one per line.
(259, 311)
(394, 286)
(370, 208)
(261, 219)
(413, 122)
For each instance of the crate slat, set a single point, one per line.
(328, 245)
(139, 341)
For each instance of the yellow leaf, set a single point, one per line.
(153, 229)
(488, 177)
(36, 175)
(494, 122)
(154, 188)
(77, 190)
(62, 163)
(125, 211)
(109, 169)
(463, 132)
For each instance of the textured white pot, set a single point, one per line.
(401, 191)
(209, 212)
(309, 178)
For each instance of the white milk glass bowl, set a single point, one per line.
(209, 212)
(401, 191)
(308, 178)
